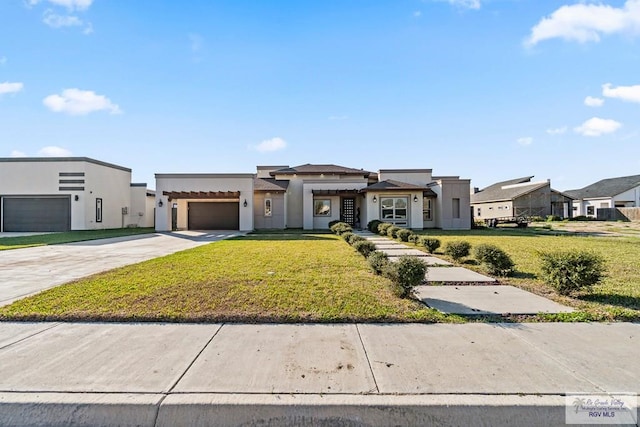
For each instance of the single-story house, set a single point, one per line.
(520, 197)
(622, 192)
(70, 193)
(310, 196)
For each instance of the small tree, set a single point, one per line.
(570, 271)
(495, 260)
(457, 249)
(430, 243)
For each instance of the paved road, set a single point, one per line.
(339, 374)
(30, 270)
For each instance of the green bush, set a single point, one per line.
(457, 249)
(355, 238)
(414, 238)
(403, 234)
(407, 273)
(378, 261)
(372, 226)
(430, 243)
(580, 218)
(393, 231)
(495, 260)
(341, 227)
(569, 271)
(332, 223)
(382, 228)
(551, 218)
(365, 247)
(347, 235)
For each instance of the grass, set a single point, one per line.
(293, 277)
(617, 297)
(67, 237)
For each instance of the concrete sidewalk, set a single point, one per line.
(336, 374)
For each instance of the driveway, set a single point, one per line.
(28, 271)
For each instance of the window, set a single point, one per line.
(267, 207)
(394, 210)
(427, 209)
(322, 207)
(456, 208)
(479, 212)
(98, 210)
(590, 210)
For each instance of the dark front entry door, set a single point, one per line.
(348, 212)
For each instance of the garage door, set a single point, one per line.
(214, 215)
(36, 213)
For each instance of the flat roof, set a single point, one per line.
(62, 159)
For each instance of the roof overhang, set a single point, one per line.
(334, 192)
(173, 195)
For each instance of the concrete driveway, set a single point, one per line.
(28, 271)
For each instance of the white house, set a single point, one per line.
(70, 193)
(622, 192)
(310, 197)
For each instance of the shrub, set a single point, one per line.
(365, 247)
(403, 234)
(570, 271)
(341, 227)
(407, 273)
(372, 226)
(393, 231)
(378, 261)
(355, 238)
(414, 238)
(580, 218)
(430, 243)
(382, 228)
(551, 218)
(457, 249)
(333, 222)
(495, 260)
(347, 235)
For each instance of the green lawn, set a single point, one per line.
(67, 237)
(617, 297)
(293, 277)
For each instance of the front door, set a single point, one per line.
(348, 212)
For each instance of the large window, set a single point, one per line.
(591, 210)
(455, 208)
(322, 207)
(394, 210)
(267, 207)
(427, 209)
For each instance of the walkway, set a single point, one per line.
(464, 291)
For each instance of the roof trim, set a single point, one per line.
(61, 159)
(201, 194)
(405, 171)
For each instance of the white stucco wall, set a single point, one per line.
(309, 221)
(412, 176)
(630, 196)
(41, 177)
(447, 190)
(141, 211)
(414, 209)
(202, 182)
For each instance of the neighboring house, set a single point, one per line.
(70, 193)
(520, 198)
(622, 192)
(310, 197)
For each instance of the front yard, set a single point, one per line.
(293, 277)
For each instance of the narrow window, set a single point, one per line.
(426, 209)
(98, 210)
(267, 207)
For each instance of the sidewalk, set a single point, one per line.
(337, 374)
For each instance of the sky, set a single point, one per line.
(488, 90)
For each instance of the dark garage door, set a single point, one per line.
(36, 214)
(214, 215)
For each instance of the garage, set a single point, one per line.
(214, 215)
(36, 214)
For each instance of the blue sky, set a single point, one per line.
(486, 89)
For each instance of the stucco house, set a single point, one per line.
(70, 193)
(621, 192)
(520, 197)
(310, 196)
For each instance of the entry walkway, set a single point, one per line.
(27, 271)
(334, 374)
(464, 291)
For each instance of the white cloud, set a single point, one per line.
(590, 101)
(583, 22)
(69, 4)
(465, 4)
(526, 140)
(625, 93)
(53, 151)
(596, 126)
(17, 153)
(58, 21)
(79, 102)
(557, 131)
(8, 87)
(417, 14)
(273, 144)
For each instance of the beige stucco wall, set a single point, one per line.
(411, 176)
(493, 210)
(311, 222)
(202, 182)
(448, 189)
(414, 209)
(40, 177)
(277, 220)
(141, 211)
